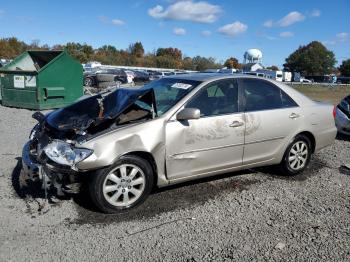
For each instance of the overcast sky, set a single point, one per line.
(208, 28)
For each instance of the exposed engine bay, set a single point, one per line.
(54, 144)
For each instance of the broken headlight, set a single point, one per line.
(65, 154)
(34, 131)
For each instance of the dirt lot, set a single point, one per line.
(246, 216)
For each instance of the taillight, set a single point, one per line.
(334, 111)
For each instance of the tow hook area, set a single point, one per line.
(64, 183)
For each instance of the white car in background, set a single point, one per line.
(304, 80)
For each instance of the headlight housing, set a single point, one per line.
(65, 154)
(34, 131)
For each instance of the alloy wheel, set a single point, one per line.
(298, 155)
(124, 185)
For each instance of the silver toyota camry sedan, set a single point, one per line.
(124, 143)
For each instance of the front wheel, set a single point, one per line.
(122, 186)
(297, 156)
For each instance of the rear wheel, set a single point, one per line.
(122, 186)
(297, 156)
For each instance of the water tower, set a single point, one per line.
(253, 56)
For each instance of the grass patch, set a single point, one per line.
(327, 93)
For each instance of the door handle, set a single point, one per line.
(236, 124)
(293, 115)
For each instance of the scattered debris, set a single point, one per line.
(129, 233)
(280, 245)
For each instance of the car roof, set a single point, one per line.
(203, 77)
(207, 77)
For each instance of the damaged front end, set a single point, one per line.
(54, 147)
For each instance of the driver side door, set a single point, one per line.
(212, 143)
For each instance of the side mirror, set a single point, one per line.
(188, 113)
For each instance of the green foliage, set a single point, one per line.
(273, 68)
(136, 50)
(187, 63)
(81, 52)
(11, 47)
(312, 59)
(173, 53)
(344, 68)
(201, 63)
(134, 56)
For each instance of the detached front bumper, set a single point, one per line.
(63, 179)
(30, 165)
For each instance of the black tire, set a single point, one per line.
(105, 77)
(106, 84)
(285, 167)
(88, 81)
(98, 178)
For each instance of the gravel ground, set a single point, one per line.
(246, 216)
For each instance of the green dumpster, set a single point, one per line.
(41, 80)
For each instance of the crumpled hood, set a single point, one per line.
(97, 109)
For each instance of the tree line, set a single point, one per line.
(134, 55)
(311, 59)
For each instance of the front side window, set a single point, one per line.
(169, 91)
(217, 98)
(262, 95)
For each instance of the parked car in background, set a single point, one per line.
(210, 70)
(106, 77)
(157, 74)
(253, 73)
(304, 80)
(176, 129)
(322, 78)
(227, 71)
(342, 116)
(141, 77)
(89, 77)
(271, 74)
(180, 72)
(92, 64)
(343, 80)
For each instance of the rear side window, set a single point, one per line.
(262, 95)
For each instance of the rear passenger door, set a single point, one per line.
(271, 119)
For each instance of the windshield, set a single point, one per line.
(169, 91)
